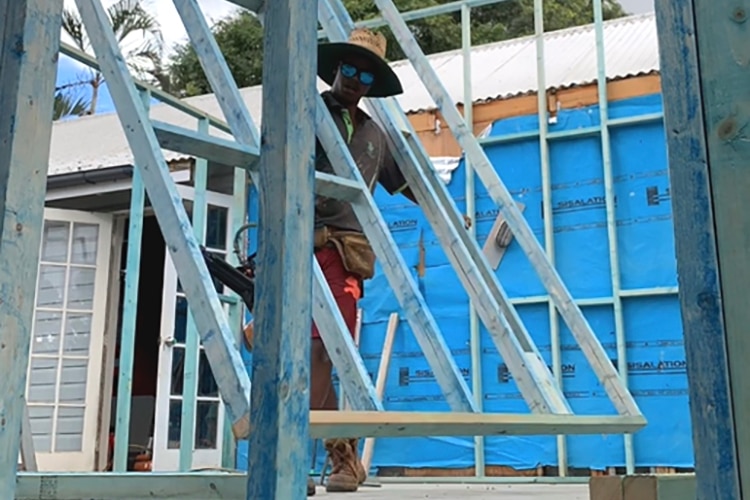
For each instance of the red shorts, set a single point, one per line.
(345, 287)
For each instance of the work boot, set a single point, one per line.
(347, 472)
(361, 472)
(310, 487)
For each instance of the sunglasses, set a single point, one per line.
(350, 71)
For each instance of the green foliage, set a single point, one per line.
(241, 39)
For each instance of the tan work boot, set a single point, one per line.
(347, 473)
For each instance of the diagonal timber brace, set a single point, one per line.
(608, 376)
(514, 343)
(216, 335)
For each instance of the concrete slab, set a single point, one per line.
(466, 492)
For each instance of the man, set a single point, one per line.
(354, 69)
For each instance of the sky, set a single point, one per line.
(173, 32)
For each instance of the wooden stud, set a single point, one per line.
(29, 45)
(703, 55)
(129, 314)
(281, 354)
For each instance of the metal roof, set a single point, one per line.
(499, 70)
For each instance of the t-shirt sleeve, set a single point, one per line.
(391, 177)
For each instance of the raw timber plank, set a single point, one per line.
(217, 336)
(324, 424)
(28, 58)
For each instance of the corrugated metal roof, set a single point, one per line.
(499, 70)
(507, 69)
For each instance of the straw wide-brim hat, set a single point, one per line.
(365, 43)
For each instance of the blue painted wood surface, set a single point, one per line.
(201, 145)
(280, 396)
(226, 363)
(129, 311)
(192, 337)
(30, 38)
(569, 311)
(506, 328)
(704, 54)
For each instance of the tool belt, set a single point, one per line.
(355, 251)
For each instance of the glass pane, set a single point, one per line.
(206, 425)
(178, 370)
(81, 288)
(84, 245)
(73, 381)
(51, 288)
(175, 424)
(69, 435)
(47, 327)
(77, 334)
(180, 320)
(55, 241)
(206, 383)
(216, 227)
(40, 418)
(42, 380)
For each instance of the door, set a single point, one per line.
(208, 421)
(65, 364)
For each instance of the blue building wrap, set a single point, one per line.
(653, 330)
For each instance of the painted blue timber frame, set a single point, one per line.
(704, 54)
(29, 45)
(281, 362)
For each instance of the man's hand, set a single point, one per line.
(249, 336)
(467, 222)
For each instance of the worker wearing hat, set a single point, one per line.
(354, 69)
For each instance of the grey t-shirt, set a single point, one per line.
(369, 148)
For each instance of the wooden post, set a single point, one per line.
(704, 62)
(281, 355)
(30, 41)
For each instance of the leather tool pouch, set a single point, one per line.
(356, 252)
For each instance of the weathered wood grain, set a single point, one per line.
(30, 32)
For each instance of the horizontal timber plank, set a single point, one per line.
(324, 424)
(130, 486)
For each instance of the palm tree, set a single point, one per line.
(143, 56)
(66, 104)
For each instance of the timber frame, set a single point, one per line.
(294, 116)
